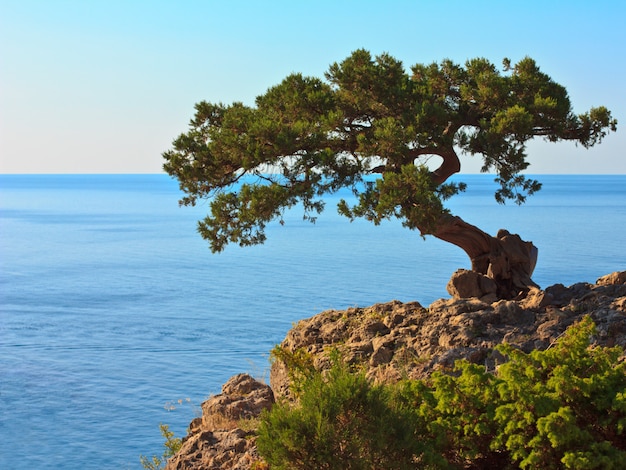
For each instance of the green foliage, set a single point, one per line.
(307, 137)
(300, 367)
(342, 422)
(562, 408)
(409, 195)
(172, 445)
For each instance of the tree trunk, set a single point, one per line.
(505, 258)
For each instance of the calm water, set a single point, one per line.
(112, 308)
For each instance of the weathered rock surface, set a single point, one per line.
(394, 340)
(216, 441)
(397, 339)
(465, 284)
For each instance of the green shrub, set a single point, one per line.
(562, 408)
(300, 367)
(342, 422)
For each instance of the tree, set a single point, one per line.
(369, 127)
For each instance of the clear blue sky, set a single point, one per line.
(104, 86)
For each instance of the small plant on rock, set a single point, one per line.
(172, 445)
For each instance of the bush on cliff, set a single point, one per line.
(342, 421)
(562, 408)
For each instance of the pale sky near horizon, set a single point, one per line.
(104, 86)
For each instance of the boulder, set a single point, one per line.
(242, 397)
(465, 284)
(216, 441)
(214, 450)
(612, 279)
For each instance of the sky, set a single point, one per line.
(104, 86)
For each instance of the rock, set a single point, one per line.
(619, 304)
(234, 450)
(512, 313)
(612, 279)
(242, 397)
(381, 356)
(536, 299)
(397, 340)
(466, 284)
(412, 341)
(216, 441)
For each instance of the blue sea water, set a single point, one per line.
(113, 309)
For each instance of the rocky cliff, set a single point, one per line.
(394, 340)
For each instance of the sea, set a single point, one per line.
(115, 316)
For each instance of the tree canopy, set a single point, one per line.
(369, 126)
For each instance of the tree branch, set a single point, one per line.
(450, 165)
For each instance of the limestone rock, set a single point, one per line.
(215, 441)
(394, 340)
(466, 284)
(206, 450)
(612, 279)
(242, 397)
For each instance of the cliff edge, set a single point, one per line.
(396, 340)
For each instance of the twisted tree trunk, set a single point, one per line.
(506, 259)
